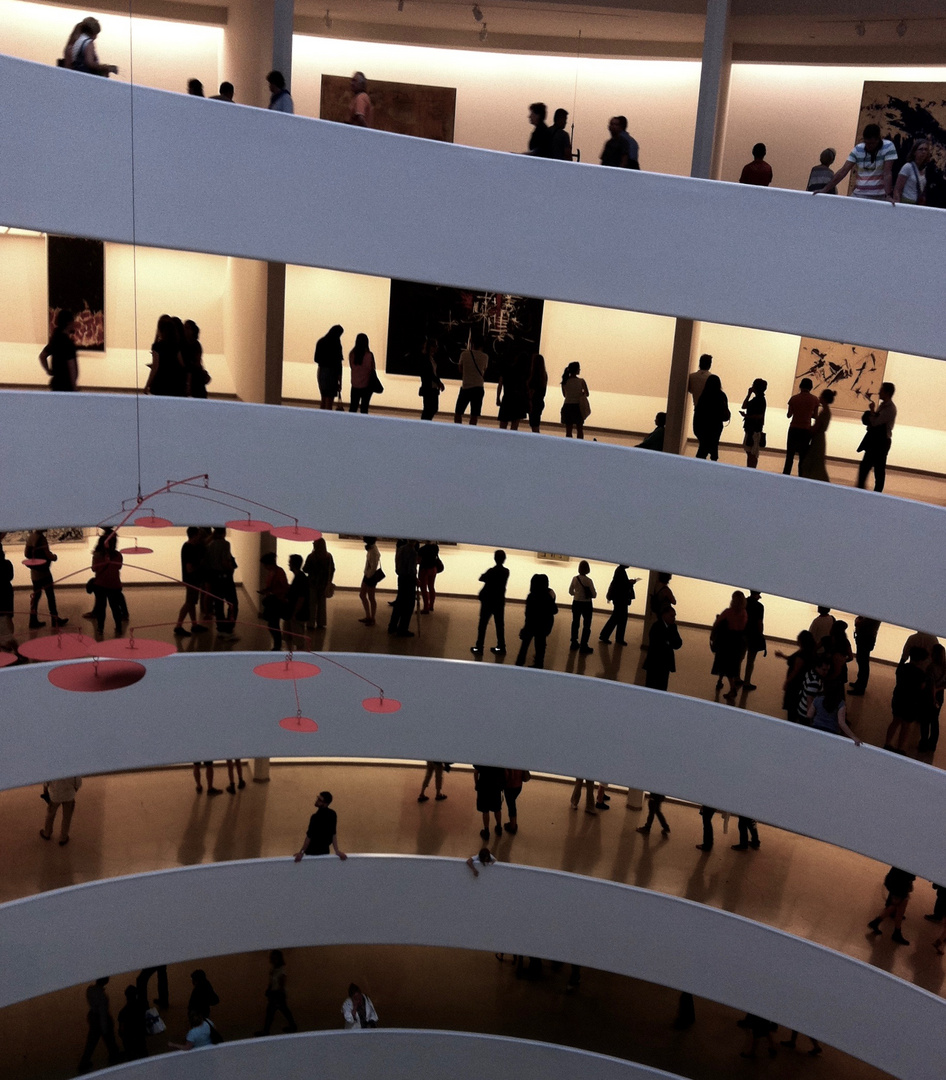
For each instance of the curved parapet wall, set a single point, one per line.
(681, 246)
(388, 1054)
(824, 787)
(623, 505)
(178, 915)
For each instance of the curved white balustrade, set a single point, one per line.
(488, 487)
(809, 782)
(385, 1054)
(645, 242)
(202, 911)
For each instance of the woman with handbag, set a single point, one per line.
(541, 610)
(373, 575)
(753, 413)
(364, 379)
(575, 409)
(709, 417)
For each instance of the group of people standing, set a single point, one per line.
(177, 360)
(330, 361)
(809, 417)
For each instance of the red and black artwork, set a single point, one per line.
(75, 270)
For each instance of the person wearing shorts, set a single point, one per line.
(489, 782)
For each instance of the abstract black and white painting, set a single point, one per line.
(853, 372)
(906, 111)
(506, 324)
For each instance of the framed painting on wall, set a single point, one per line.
(75, 276)
(427, 112)
(853, 372)
(505, 323)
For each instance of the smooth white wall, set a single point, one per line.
(551, 722)
(132, 922)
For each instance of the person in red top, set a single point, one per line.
(802, 409)
(107, 564)
(274, 592)
(758, 171)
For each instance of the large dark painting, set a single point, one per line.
(506, 324)
(426, 112)
(76, 281)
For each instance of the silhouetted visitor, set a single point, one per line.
(107, 563)
(364, 377)
(434, 770)
(6, 587)
(755, 636)
(728, 641)
(560, 143)
(753, 424)
(319, 568)
(582, 591)
(748, 835)
(492, 599)
(202, 1032)
(663, 640)
(655, 810)
(405, 566)
(195, 88)
(827, 712)
(540, 143)
(193, 554)
(757, 1028)
(167, 377)
(872, 161)
(219, 567)
(512, 789)
(297, 602)
(899, 885)
(203, 996)
(79, 53)
(226, 92)
(162, 1000)
(132, 1026)
(101, 1025)
(61, 793)
(910, 699)
(696, 380)
(192, 353)
(512, 395)
(280, 99)
(821, 176)
(489, 782)
(621, 150)
(482, 858)
(322, 832)
(473, 364)
(707, 813)
(540, 612)
(41, 578)
(758, 172)
(58, 358)
(814, 464)
(329, 360)
(274, 593)
(431, 386)
(802, 409)
(620, 595)
(655, 440)
(429, 565)
(276, 995)
(361, 112)
(879, 422)
(537, 386)
(865, 640)
(709, 417)
(372, 577)
(575, 408)
(357, 1010)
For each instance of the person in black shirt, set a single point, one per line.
(132, 1028)
(664, 640)
(620, 594)
(899, 885)
(59, 357)
(540, 144)
(322, 830)
(655, 440)
(203, 996)
(329, 361)
(755, 636)
(490, 782)
(493, 606)
(910, 696)
(193, 553)
(560, 145)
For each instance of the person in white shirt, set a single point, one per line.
(879, 421)
(60, 793)
(201, 1033)
(357, 1010)
(582, 590)
(911, 183)
(872, 161)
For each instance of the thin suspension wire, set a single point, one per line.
(134, 236)
(575, 95)
(243, 498)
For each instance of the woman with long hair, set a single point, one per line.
(79, 53)
(582, 591)
(536, 386)
(813, 464)
(709, 417)
(911, 183)
(575, 408)
(168, 377)
(431, 386)
(192, 353)
(372, 576)
(753, 413)
(361, 363)
(512, 397)
(799, 663)
(107, 585)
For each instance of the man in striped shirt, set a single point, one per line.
(872, 161)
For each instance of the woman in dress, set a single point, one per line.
(729, 642)
(361, 363)
(512, 397)
(911, 183)
(319, 568)
(709, 417)
(575, 408)
(168, 377)
(536, 387)
(813, 465)
(753, 413)
(59, 356)
(369, 582)
(541, 610)
(431, 386)
(428, 567)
